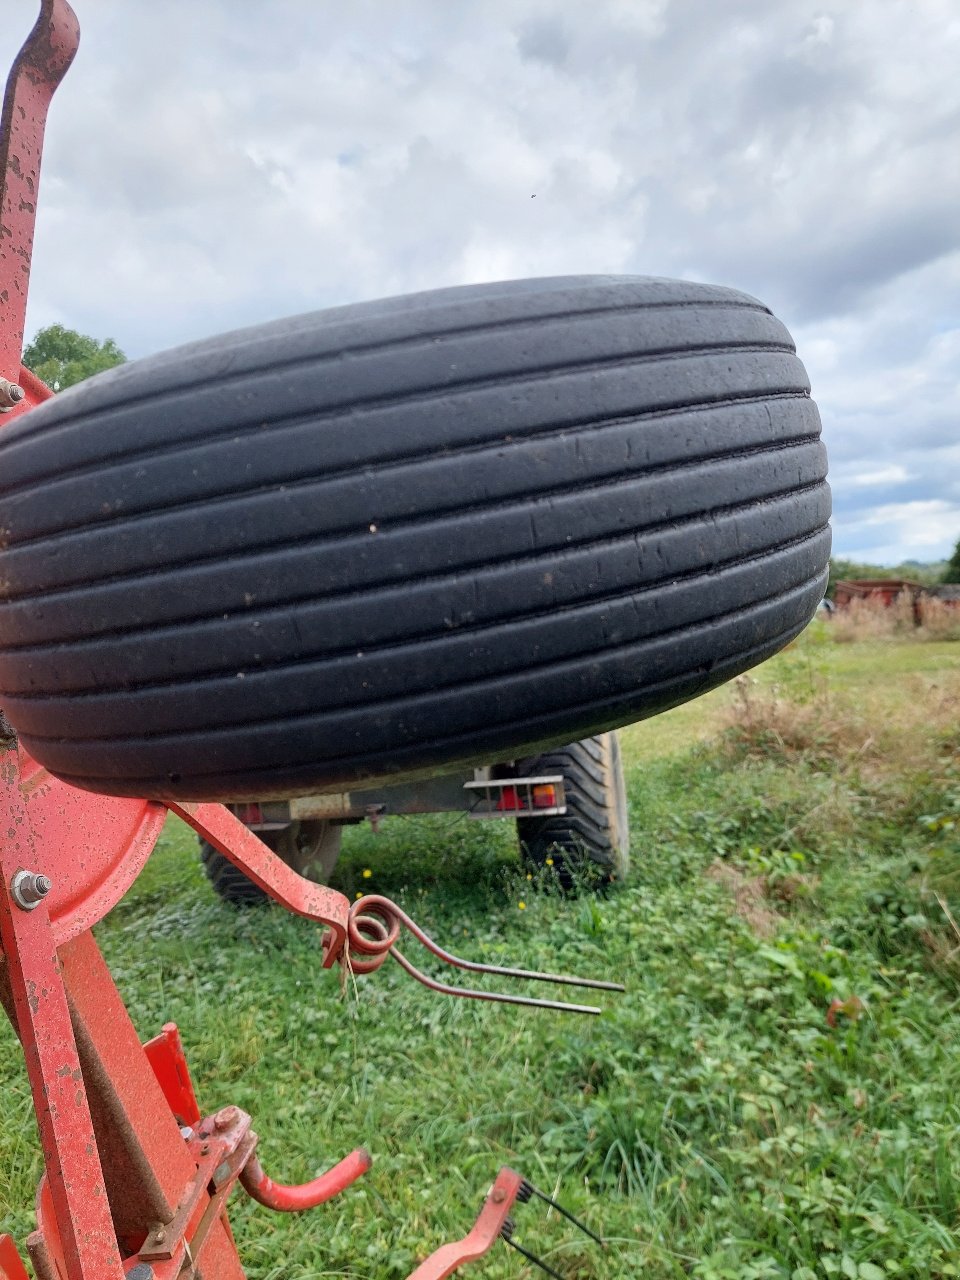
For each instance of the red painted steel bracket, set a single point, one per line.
(227, 833)
(482, 1237)
(40, 66)
(165, 1055)
(495, 1223)
(11, 1264)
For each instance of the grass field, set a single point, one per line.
(778, 1093)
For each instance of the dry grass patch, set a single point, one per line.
(931, 619)
(885, 731)
(759, 899)
(750, 897)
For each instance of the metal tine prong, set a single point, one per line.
(373, 930)
(507, 1237)
(527, 1189)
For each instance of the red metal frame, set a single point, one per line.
(136, 1179)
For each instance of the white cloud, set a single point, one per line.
(881, 477)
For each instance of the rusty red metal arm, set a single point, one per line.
(483, 1235)
(294, 1199)
(39, 67)
(227, 833)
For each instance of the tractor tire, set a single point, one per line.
(397, 538)
(589, 843)
(310, 848)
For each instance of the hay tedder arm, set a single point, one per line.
(136, 1177)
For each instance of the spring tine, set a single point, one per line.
(528, 1187)
(384, 908)
(446, 989)
(532, 1257)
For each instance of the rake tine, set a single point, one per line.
(527, 1189)
(531, 1257)
(446, 989)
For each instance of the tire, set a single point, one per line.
(404, 537)
(311, 848)
(591, 841)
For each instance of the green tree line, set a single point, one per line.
(928, 575)
(61, 357)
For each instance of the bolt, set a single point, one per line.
(186, 1133)
(225, 1118)
(10, 394)
(221, 1174)
(142, 1271)
(499, 1196)
(28, 889)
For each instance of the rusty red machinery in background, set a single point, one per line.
(137, 1177)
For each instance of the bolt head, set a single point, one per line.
(225, 1118)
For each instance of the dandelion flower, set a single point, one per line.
(549, 862)
(521, 906)
(367, 873)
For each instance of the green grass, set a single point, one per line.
(712, 1122)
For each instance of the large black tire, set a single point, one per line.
(591, 841)
(310, 848)
(403, 536)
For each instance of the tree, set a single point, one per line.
(952, 571)
(61, 357)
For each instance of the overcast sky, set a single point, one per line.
(216, 163)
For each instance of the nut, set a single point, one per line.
(29, 888)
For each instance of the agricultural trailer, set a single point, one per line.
(360, 547)
(569, 806)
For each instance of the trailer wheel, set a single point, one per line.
(310, 848)
(397, 538)
(591, 841)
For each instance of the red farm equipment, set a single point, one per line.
(137, 1176)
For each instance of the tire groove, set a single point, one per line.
(407, 700)
(371, 589)
(590, 428)
(419, 398)
(427, 339)
(431, 639)
(533, 498)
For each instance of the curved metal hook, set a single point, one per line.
(36, 72)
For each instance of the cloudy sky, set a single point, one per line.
(215, 163)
